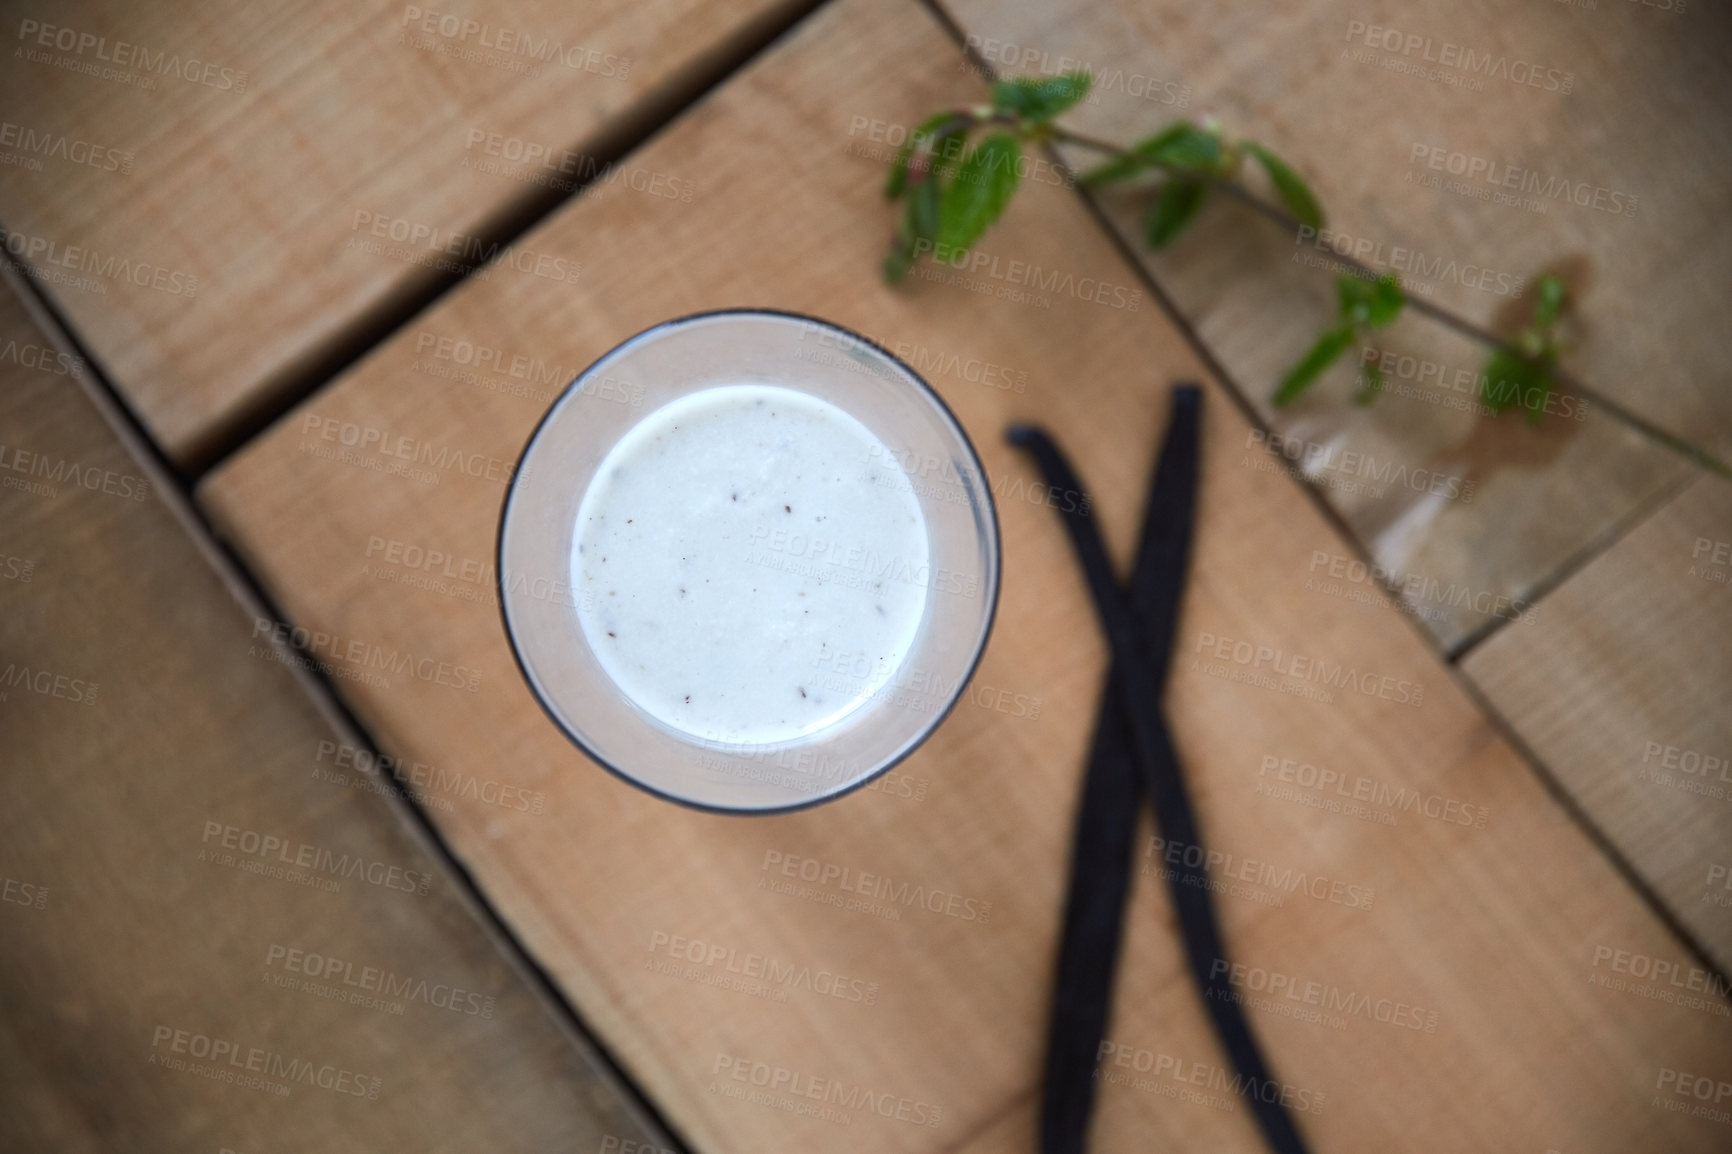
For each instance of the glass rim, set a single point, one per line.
(993, 575)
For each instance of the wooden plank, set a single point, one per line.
(1623, 695)
(1305, 82)
(150, 742)
(238, 192)
(1492, 928)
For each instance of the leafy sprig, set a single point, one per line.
(1192, 158)
(954, 187)
(1524, 373)
(954, 191)
(1361, 306)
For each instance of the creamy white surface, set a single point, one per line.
(733, 555)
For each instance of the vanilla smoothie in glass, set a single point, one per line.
(720, 573)
(679, 590)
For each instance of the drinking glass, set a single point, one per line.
(929, 454)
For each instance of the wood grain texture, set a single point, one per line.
(213, 238)
(1639, 136)
(1492, 928)
(1623, 694)
(137, 709)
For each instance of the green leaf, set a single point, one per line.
(1369, 303)
(919, 222)
(1324, 353)
(1353, 299)
(1549, 302)
(897, 262)
(1039, 98)
(1511, 380)
(1172, 207)
(976, 196)
(927, 137)
(1386, 301)
(1184, 145)
(1289, 186)
(923, 211)
(897, 182)
(1535, 398)
(1181, 145)
(1370, 385)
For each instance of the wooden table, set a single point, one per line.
(1491, 974)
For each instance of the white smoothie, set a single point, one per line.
(733, 542)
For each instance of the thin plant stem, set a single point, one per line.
(1443, 316)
